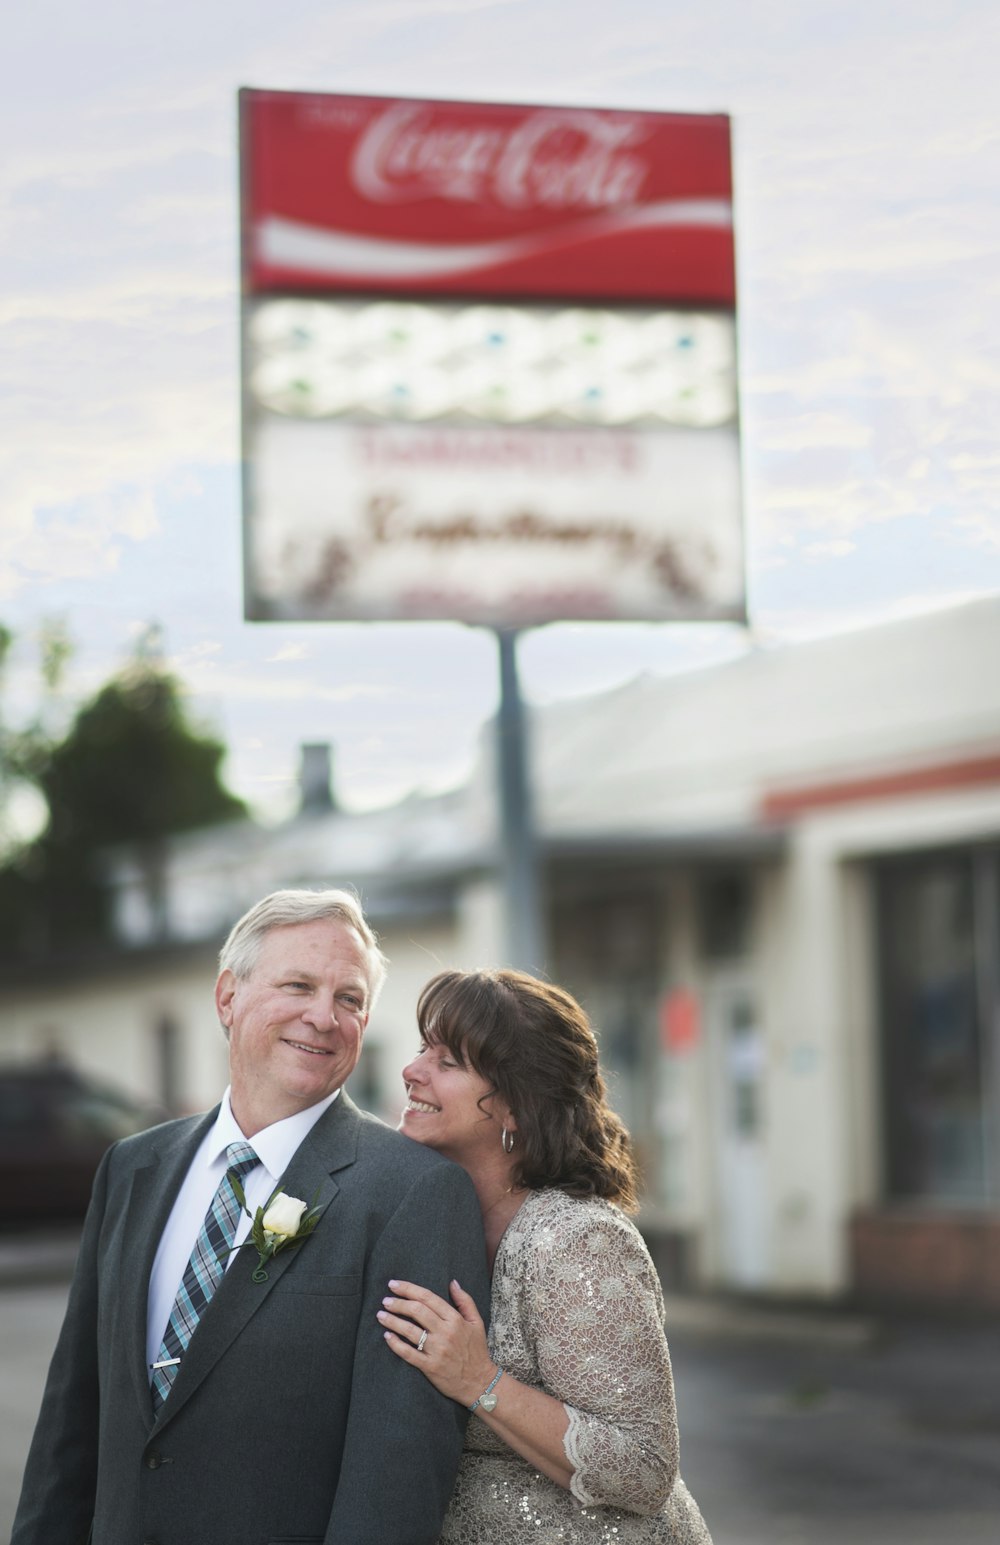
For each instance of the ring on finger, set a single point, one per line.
(420, 1343)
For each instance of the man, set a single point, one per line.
(267, 1408)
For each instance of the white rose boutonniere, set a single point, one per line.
(282, 1221)
(284, 1216)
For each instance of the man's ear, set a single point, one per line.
(225, 991)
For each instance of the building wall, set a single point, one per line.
(834, 1127)
(811, 972)
(108, 1027)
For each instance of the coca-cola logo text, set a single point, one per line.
(553, 159)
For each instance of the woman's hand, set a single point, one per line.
(454, 1354)
(456, 1359)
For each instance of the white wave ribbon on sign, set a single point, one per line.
(291, 244)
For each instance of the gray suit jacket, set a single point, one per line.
(290, 1420)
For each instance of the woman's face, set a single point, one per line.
(446, 1108)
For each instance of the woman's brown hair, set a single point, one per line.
(535, 1047)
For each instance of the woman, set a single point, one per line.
(574, 1436)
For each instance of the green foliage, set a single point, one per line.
(131, 769)
(57, 651)
(23, 748)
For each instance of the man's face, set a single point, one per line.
(295, 1024)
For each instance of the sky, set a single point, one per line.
(867, 178)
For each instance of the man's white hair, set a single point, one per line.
(286, 909)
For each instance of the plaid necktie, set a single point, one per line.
(204, 1270)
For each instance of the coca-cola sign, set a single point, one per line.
(362, 193)
(489, 362)
(553, 159)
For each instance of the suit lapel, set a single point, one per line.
(330, 1146)
(154, 1191)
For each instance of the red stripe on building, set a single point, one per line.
(786, 804)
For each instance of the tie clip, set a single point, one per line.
(168, 1362)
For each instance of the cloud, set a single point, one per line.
(981, 530)
(73, 540)
(289, 652)
(228, 681)
(812, 431)
(976, 470)
(197, 654)
(835, 549)
(840, 505)
(168, 299)
(102, 414)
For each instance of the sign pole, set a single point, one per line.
(524, 937)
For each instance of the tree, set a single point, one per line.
(22, 747)
(131, 769)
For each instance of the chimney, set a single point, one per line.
(316, 780)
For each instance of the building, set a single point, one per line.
(775, 884)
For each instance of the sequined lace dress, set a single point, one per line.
(577, 1310)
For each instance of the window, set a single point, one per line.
(939, 956)
(607, 953)
(725, 912)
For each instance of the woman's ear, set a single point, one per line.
(505, 1116)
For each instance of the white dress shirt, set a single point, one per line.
(274, 1146)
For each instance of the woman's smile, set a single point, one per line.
(461, 1103)
(413, 1103)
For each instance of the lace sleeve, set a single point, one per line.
(597, 1307)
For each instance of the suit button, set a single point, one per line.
(153, 1462)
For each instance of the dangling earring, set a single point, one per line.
(507, 1141)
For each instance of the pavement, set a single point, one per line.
(26, 1259)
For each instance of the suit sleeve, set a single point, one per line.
(60, 1478)
(404, 1439)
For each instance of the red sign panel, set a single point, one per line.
(375, 194)
(680, 1020)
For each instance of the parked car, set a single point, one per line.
(55, 1123)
